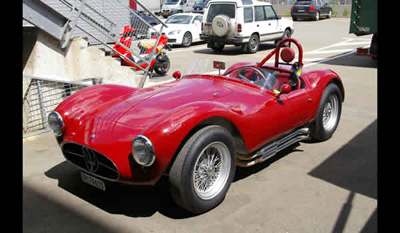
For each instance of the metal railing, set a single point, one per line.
(103, 21)
(40, 97)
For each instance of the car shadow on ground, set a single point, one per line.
(351, 59)
(232, 50)
(137, 201)
(353, 167)
(119, 199)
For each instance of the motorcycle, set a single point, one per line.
(160, 64)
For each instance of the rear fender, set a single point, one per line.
(318, 81)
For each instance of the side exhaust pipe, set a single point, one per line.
(273, 147)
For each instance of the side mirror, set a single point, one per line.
(177, 75)
(286, 88)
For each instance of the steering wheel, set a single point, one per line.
(249, 73)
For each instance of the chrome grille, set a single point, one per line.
(90, 160)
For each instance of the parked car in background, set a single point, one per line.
(311, 9)
(183, 29)
(199, 6)
(243, 23)
(171, 7)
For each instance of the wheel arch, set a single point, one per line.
(215, 120)
(339, 84)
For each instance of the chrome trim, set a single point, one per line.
(148, 145)
(84, 168)
(273, 148)
(61, 121)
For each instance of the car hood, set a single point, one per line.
(150, 105)
(104, 110)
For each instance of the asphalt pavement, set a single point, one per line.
(309, 187)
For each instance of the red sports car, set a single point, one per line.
(197, 129)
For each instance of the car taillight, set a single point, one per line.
(239, 28)
(312, 8)
(291, 9)
(202, 26)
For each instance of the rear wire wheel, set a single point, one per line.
(328, 115)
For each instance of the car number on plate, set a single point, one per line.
(93, 181)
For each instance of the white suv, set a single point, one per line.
(243, 23)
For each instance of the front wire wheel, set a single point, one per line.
(203, 169)
(211, 170)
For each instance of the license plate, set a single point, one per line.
(93, 181)
(300, 10)
(165, 13)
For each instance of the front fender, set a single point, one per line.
(168, 132)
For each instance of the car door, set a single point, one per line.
(260, 22)
(299, 101)
(263, 116)
(266, 22)
(273, 23)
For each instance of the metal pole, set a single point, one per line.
(42, 108)
(153, 56)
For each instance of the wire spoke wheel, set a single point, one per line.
(211, 170)
(330, 113)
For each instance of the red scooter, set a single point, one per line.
(159, 64)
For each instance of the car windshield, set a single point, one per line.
(171, 2)
(200, 2)
(261, 77)
(179, 19)
(224, 9)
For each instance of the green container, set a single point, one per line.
(364, 16)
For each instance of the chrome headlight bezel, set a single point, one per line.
(56, 123)
(143, 151)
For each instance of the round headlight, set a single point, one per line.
(143, 151)
(56, 123)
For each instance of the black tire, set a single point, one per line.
(328, 114)
(187, 39)
(286, 34)
(329, 14)
(373, 49)
(183, 172)
(317, 16)
(254, 44)
(217, 47)
(163, 70)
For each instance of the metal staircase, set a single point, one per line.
(99, 20)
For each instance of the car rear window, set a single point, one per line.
(303, 3)
(218, 9)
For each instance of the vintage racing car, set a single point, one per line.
(198, 128)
